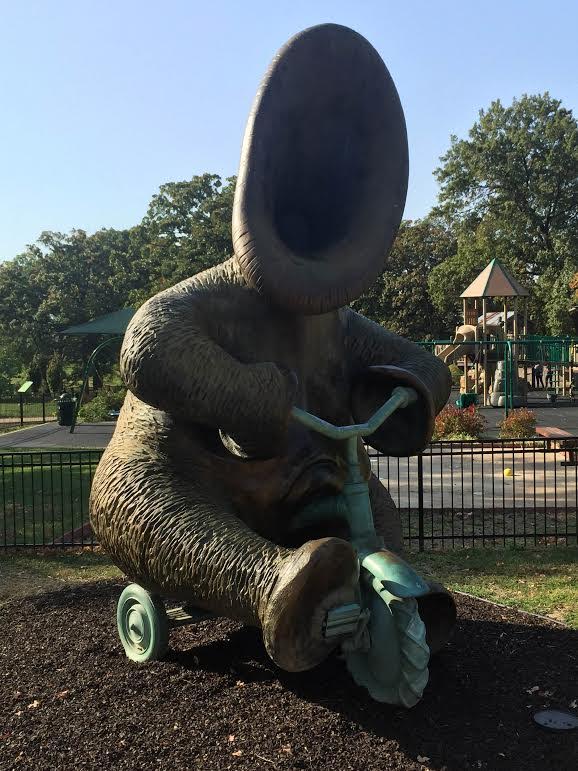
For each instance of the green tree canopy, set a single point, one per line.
(510, 190)
(186, 229)
(59, 281)
(400, 298)
(66, 279)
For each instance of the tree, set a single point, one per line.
(511, 191)
(400, 298)
(553, 290)
(9, 371)
(66, 279)
(187, 229)
(59, 281)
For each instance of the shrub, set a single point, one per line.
(459, 423)
(520, 424)
(104, 402)
(456, 374)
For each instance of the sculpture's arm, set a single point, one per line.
(170, 361)
(379, 361)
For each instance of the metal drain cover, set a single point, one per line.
(556, 720)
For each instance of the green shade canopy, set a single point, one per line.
(111, 324)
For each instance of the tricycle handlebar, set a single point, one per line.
(399, 398)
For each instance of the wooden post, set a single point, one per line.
(485, 351)
(476, 372)
(525, 316)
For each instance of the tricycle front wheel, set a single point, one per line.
(395, 668)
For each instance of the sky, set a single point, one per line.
(102, 102)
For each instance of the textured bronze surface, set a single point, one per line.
(194, 495)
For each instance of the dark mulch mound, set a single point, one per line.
(70, 699)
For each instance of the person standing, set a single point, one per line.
(537, 371)
(549, 377)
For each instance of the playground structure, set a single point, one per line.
(494, 350)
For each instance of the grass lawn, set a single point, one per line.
(44, 495)
(541, 581)
(24, 574)
(32, 409)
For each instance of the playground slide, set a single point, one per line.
(451, 353)
(460, 345)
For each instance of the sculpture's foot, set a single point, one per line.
(316, 577)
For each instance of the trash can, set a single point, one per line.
(66, 406)
(465, 400)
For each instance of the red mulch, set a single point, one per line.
(69, 699)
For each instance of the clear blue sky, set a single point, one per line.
(101, 102)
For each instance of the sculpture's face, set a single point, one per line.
(323, 173)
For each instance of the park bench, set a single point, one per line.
(562, 439)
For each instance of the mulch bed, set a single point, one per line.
(69, 699)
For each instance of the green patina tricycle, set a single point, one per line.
(383, 638)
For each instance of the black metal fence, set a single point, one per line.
(44, 498)
(487, 493)
(22, 410)
(454, 495)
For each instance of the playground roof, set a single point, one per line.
(495, 317)
(111, 324)
(495, 281)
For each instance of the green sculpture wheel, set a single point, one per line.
(142, 624)
(395, 668)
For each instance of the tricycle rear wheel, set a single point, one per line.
(142, 624)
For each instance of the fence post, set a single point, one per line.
(21, 409)
(43, 407)
(420, 501)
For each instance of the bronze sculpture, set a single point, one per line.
(194, 497)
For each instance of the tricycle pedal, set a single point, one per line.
(343, 620)
(185, 615)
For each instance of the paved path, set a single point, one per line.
(476, 480)
(50, 435)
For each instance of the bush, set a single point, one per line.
(458, 423)
(456, 374)
(520, 424)
(104, 402)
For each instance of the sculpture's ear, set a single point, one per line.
(323, 173)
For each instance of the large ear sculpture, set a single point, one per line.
(323, 173)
